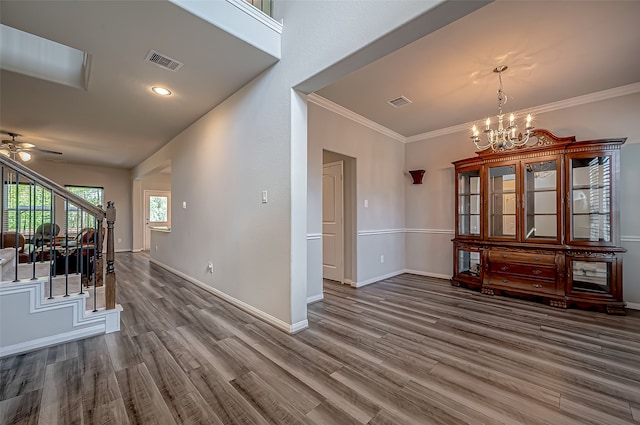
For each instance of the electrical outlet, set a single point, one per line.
(119, 240)
(184, 205)
(366, 203)
(156, 248)
(264, 197)
(382, 258)
(210, 267)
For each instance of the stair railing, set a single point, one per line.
(36, 210)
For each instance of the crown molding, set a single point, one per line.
(587, 98)
(341, 110)
(549, 107)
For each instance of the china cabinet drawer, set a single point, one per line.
(520, 284)
(524, 270)
(521, 257)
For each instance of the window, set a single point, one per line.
(158, 208)
(76, 221)
(25, 207)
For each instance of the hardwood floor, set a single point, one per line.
(408, 350)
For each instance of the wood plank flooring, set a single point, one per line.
(408, 350)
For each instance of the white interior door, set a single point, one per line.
(157, 213)
(332, 222)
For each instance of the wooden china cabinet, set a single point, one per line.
(542, 221)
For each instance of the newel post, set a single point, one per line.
(110, 279)
(99, 245)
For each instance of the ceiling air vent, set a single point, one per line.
(399, 101)
(163, 61)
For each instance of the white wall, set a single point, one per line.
(115, 181)
(256, 140)
(380, 179)
(430, 207)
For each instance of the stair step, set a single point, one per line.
(61, 285)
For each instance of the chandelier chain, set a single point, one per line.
(503, 137)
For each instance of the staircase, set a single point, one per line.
(54, 288)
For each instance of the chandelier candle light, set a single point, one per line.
(503, 137)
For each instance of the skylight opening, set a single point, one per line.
(38, 57)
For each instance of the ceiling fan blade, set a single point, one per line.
(47, 151)
(25, 145)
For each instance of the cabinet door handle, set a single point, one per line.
(505, 256)
(536, 272)
(536, 258)
(537, 285)
(504, 268)
(505, 281)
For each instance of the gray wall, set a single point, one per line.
(380, 179)
(256, 140)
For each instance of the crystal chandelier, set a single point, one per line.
(503, 137)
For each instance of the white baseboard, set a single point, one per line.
(47, 341)
(376, 279)
(101, 321)
(122, 250)
(265, 317)
(633, 306)
(429, 274)
(396, 273)
(315, 298)
(298, 326)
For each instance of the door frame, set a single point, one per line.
(146, 233)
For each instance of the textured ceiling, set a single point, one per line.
(117, 121)
(554, 49)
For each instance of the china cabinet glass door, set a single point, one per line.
(469, 262)
(591, 277)
(590, 198)
(502, 202)
(469, 203)
(541, 188)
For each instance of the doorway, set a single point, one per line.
(339, 210)
(333, 221)
(157, 213)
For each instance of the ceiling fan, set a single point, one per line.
(14, 149)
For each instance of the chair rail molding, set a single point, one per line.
(431, 231)
(630, 238)
(379, 232)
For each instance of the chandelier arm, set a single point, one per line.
(505, 136)
(476, 141)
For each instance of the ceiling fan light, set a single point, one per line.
(25, 156)
(5, 152)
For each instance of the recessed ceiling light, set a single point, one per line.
(161, 91)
